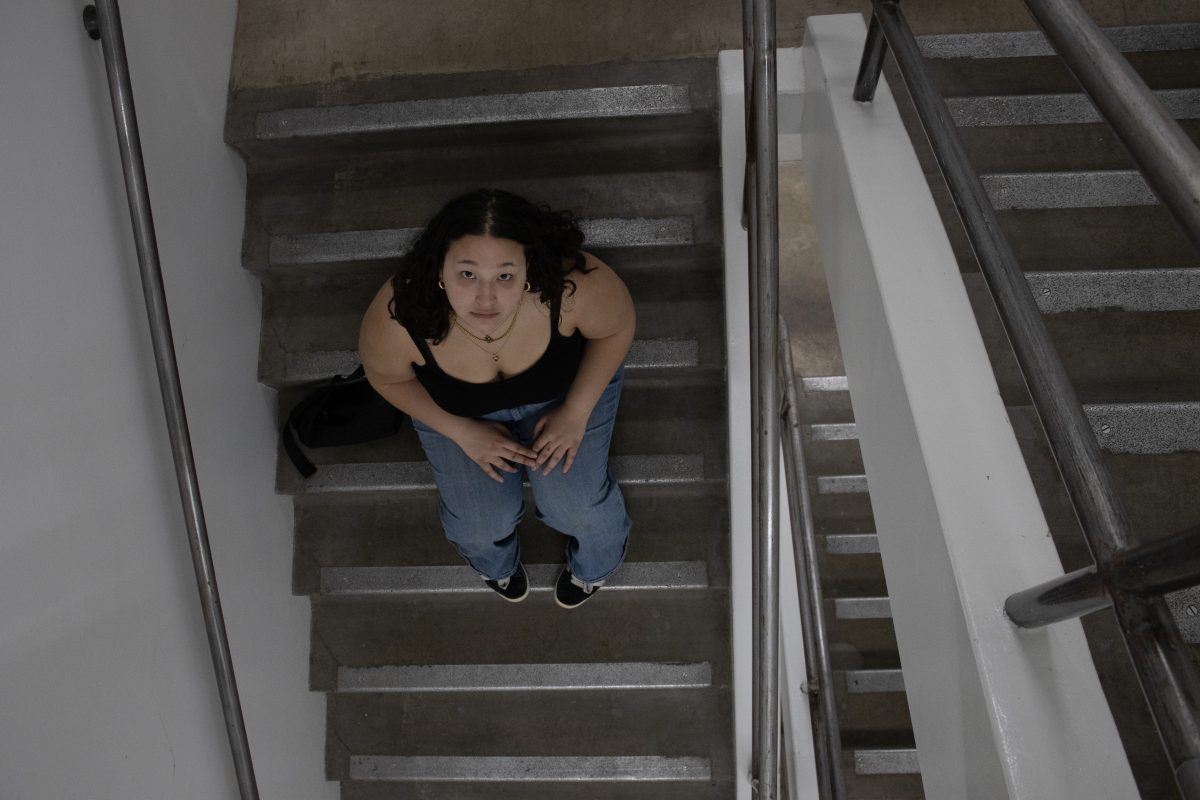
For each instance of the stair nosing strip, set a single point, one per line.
(886, 761)
(857, 608)
(828, 383)
(874, 681)
(525, 677)
(1031, 44)
(841, 484)
(551, 105)
(1065, 108)
(1146, 428)
(834, 431)
(457, 580)
(845, 544)
(1028, 191)
(539, 769)
(1151, 289)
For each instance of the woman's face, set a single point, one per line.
(484, 278)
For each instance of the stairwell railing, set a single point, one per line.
(102, 21)
(761, 217)
(1129, 578)
(818, 669)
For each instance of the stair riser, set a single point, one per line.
(1047, 74)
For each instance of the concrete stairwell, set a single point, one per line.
(1120, 289)
(1119, 286)
(436, 688)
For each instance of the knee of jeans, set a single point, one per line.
(581, 516)
(479, 526)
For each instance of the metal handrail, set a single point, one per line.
(819, 671)
(1163, 152)
(103, 21)
(1167, 676)
(762, 148)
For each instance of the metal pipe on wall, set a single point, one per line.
(103, 22)
(765, 478)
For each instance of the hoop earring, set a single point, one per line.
(441, 286)
(528, 288)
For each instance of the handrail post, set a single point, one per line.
(104, 23)
(819, 672)
(871, 67)
(764, 387)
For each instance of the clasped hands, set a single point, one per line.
(556, 437)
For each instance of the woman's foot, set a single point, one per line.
(571, 593)
(514, 588)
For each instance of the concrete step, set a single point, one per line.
(368, 217)
(633, 101)
(671, 523)
(684, 418)
(1061, 238)
(679, 626)
(1024, 147)
(1110, 357)
(883, 786)
(871, 709)
(311, 325)
(670, 734)
(316, 366)
(414, 581)
(391, 243)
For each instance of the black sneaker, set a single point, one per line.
(568, 593)
(514, 588)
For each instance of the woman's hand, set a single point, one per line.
(490, 445)
(556, 437)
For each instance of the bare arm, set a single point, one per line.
(603, 312)
(388, 352)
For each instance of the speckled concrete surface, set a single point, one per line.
(282, 43)
(803, 293)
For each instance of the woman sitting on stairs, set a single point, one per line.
(504, 342)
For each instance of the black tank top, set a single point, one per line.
(548, 378)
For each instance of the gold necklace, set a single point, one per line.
(512, 321)
(473, 340)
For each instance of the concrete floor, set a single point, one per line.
(283, 43)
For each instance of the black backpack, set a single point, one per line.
(347, 410)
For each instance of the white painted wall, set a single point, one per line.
(106, 683)
(998, 712)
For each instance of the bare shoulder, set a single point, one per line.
(600, 305)
(386, 349)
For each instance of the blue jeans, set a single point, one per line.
(480, 516)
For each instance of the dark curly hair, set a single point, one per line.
(551, 240)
